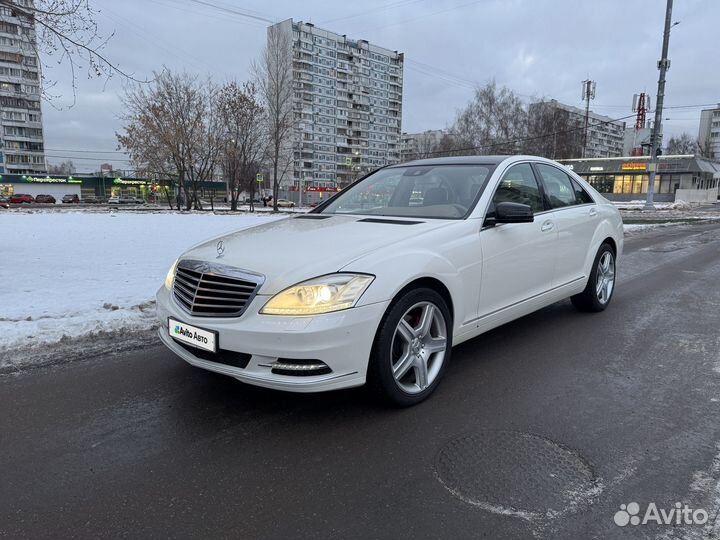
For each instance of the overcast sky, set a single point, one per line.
(535, 47)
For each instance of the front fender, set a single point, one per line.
(392, 276)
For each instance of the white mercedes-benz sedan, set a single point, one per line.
(379, 282)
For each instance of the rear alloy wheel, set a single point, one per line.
(412, 347)
(601, 285)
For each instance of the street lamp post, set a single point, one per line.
(663, 66)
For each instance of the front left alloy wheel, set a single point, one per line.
(412, 347)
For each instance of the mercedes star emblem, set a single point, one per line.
(220, 248)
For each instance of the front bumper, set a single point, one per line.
(342, 340)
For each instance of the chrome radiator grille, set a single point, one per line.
(205, 289)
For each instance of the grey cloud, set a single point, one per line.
(536, 47)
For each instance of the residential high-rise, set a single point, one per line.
(22, 149)
(709, 134)
(605, 136)
(347, 105)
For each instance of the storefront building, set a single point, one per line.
(626, 178)
(101, 187)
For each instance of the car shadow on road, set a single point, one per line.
(216, 396)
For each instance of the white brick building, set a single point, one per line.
(347, 105)
(22, 148)
(709, 134)
(605, 136)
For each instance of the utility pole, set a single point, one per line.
(588, 93)
(663, 66)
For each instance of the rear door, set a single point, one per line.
(576, 219)
(518, 258)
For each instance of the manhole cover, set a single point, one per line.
(516, 474)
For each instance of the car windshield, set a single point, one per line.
(431, 191)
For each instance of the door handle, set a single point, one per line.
(547, 226)
(593, 212)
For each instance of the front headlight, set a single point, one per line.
(170, 278)
(323, 294)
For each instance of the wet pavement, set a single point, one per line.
(541, 428)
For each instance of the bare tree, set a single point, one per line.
(273, 73)
(492, 122)
(452, 144)
(552, 132)
(703, 149)
(66, 167)
(242, 118)
(66, 31)
(682, 144)
(173, 129)
(425, 144)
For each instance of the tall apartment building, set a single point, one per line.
(21, 138)
(347, 105)
(709, 134)
(605, 136)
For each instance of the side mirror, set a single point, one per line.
(510, 212)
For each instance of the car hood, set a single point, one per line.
(291, 250)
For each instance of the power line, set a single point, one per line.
(82, 158)
(362, 13)
(692, 106)
(445, 78)
(151, 38)
(245, 13)
(85, 151)
(186, 9)
(432, 72)
(422, 16)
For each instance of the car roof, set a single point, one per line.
(471, 160)
(457, 160)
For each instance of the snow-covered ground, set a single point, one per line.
(75, 281)
(69, 275)
(640, 204)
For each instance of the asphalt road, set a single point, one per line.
(542, 428)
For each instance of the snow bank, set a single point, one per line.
(639, 205)
(70, 275)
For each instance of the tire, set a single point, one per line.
(601, 285)
(409, 358)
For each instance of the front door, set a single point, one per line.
(518, 258)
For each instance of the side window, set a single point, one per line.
(582, 196)
(559, 189)
(518, 185)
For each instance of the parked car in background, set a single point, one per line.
(114, 200)
(71, 198)
(45, 199)
(22, 198)
(93, 200)
(284, 203)
(131, 200)
(4, 203)
(392, 287)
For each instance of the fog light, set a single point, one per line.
(299, 368)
